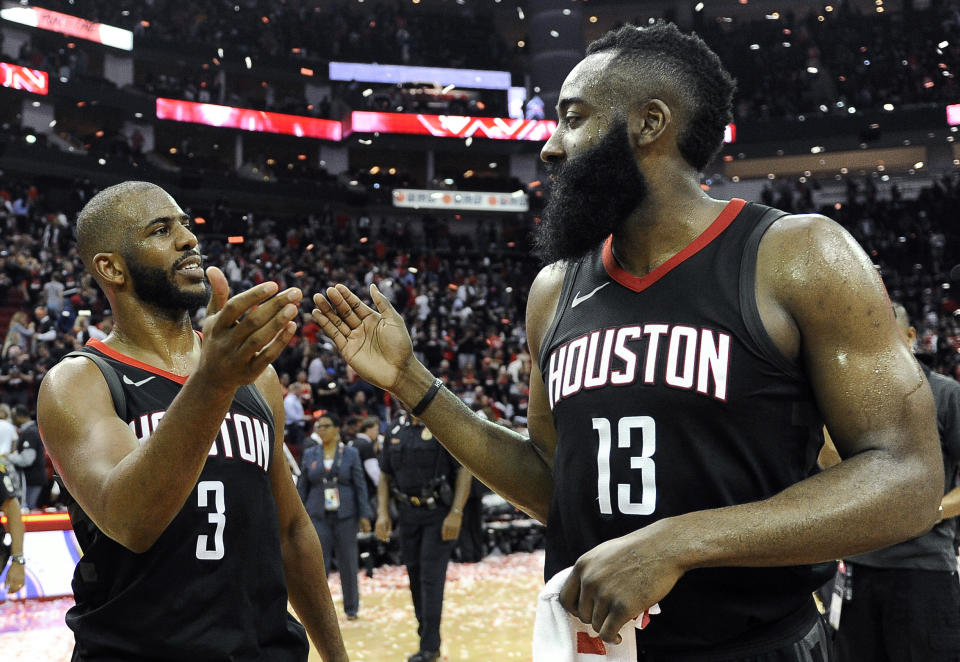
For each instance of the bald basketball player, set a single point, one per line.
(689, 351)
(185, 510)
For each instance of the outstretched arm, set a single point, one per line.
(15, 573)
(376, 344)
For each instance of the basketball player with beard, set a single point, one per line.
(170, 443)
(689, 351)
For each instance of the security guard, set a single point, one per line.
(431, 488)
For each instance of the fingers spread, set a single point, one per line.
(348, 305)
(328, 320)
(219, 290)
(241, 303)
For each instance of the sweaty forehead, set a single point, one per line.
(148, 205)
(586, 80)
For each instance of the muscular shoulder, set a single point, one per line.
(542, 302)
(805, 251)
(64, 381)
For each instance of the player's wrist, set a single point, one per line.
(414, 381)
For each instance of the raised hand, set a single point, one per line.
(242, 335)
(374, 342)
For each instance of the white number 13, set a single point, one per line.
(218, 518)
(644, 462)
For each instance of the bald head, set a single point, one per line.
(102, 219)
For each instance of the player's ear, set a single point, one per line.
(647, 122)
(110, 268)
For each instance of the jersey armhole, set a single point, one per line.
(262, 402)
(565, 292)
(748, 297)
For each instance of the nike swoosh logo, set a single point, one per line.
(127, 380)
(577, 299)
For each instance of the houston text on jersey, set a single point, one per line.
(693, 359)
(243, 437)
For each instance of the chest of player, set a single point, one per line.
(245, 438)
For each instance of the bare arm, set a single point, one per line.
(11, 507)
(825, 306)
(376, 344)
(132, 491)
(454, 519)
(383, 526)
(300, 546)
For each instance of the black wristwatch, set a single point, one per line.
(18, 558)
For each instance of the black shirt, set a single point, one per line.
(212, 586)
(668, 397)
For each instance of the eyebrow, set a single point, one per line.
(568, 101)
(167, 219)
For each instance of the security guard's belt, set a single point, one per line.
(423, 500)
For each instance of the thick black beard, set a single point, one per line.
(156, 286)
(592, 196)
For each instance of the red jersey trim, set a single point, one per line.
(123, 358)
(640, 283)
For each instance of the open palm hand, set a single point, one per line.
(374, 342)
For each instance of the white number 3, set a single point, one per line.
(644, 462)
(218, 518)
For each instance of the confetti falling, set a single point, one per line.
(488, 614)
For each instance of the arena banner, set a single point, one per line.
(460, 200)
(51, 551)
(18, 77)
(248, 119)
(476, 79)
(72, 26)
(452, 126)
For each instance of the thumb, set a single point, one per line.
(383, 304)
(220, 290)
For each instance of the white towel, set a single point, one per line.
(559, 636)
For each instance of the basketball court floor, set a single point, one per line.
(488, 614)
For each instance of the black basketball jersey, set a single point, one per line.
(668, 396)
(211, 588)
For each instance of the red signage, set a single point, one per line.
(248, 119)
(72, 26)
(452, 126)
(22, 78)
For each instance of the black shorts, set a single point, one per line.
(811, 644)
(899, 615)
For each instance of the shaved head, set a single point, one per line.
(101, 220)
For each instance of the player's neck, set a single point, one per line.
(673, 214)
(162, 340)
